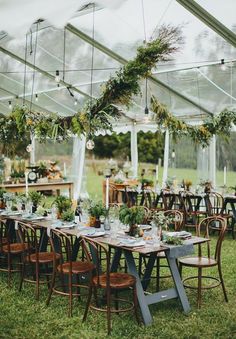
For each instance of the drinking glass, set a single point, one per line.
(54, 212)
(9, 205)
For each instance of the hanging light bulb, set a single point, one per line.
(10, 104)
(146, 110)
(36, 98)
(57, 77)
(90, 144)
(222, 66)
(58, 87)
(76, 102)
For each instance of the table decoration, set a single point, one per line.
(63, 204)
(35, 197)
(132, 216)
(96, 210)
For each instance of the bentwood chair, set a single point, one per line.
(110, 283)
(67, 269)
(10, 250)
(201, 262)
(36, 264)
(215, 203)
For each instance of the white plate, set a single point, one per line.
(132, 243)
(10, 213)
(91, 233)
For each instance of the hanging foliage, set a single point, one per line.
(97, 113)
(220, 124)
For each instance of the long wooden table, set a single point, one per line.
(144, 299)
(54, 186)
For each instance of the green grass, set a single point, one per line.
(23, 317)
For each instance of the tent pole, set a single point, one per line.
(32, 152)
(134, 149)
(78, 159)
(166, 158)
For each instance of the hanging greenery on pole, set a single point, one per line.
(220, 124)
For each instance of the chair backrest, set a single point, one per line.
(30, 237)
(176, 218)
(4, 234)
(170, 200)
(204, 226)
(95, 251)
(215, 203)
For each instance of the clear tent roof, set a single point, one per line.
(192, 84)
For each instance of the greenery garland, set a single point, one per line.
(215, 125)
(97, 113)
(118, 90)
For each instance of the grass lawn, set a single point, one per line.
(21, 316)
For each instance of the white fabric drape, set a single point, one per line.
(32, 152)
(78, 157)
(212, 161)
(134, 150)
(166, 157)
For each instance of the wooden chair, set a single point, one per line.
(190, 204)
(201, 262)
(35, 262)
(66, 267)
(108, 282)
(215, 203)
(11, 250)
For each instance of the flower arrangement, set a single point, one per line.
(207, 184)
(132, 216)
(96, 210)
(161, 220)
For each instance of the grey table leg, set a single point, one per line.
(178, 283)
(147, 318)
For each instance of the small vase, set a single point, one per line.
(97, 223)
(133, 230)
(92, 221)
(107, 225)
(34, 208)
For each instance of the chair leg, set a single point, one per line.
(22, 275)
(222, 283)
(88, 302)
(9, 269)
(158, 274)
(199, 289)
(108, 292)
(70, 296)
(37, 281)
(116, 300)
(52, 287)
(135, 304)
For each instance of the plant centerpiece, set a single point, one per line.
(132, 216)
(68, 215)
(159, 219)
(63, 204)
(187, 184)
(146, 183)
(207, 184)
(36, 198)
(96, 210)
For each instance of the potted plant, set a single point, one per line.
(68, 215)
(96, 210)
(63, 204)
(2, 202)
(36, 198)
(132, 216)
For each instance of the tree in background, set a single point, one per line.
(150, 146)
